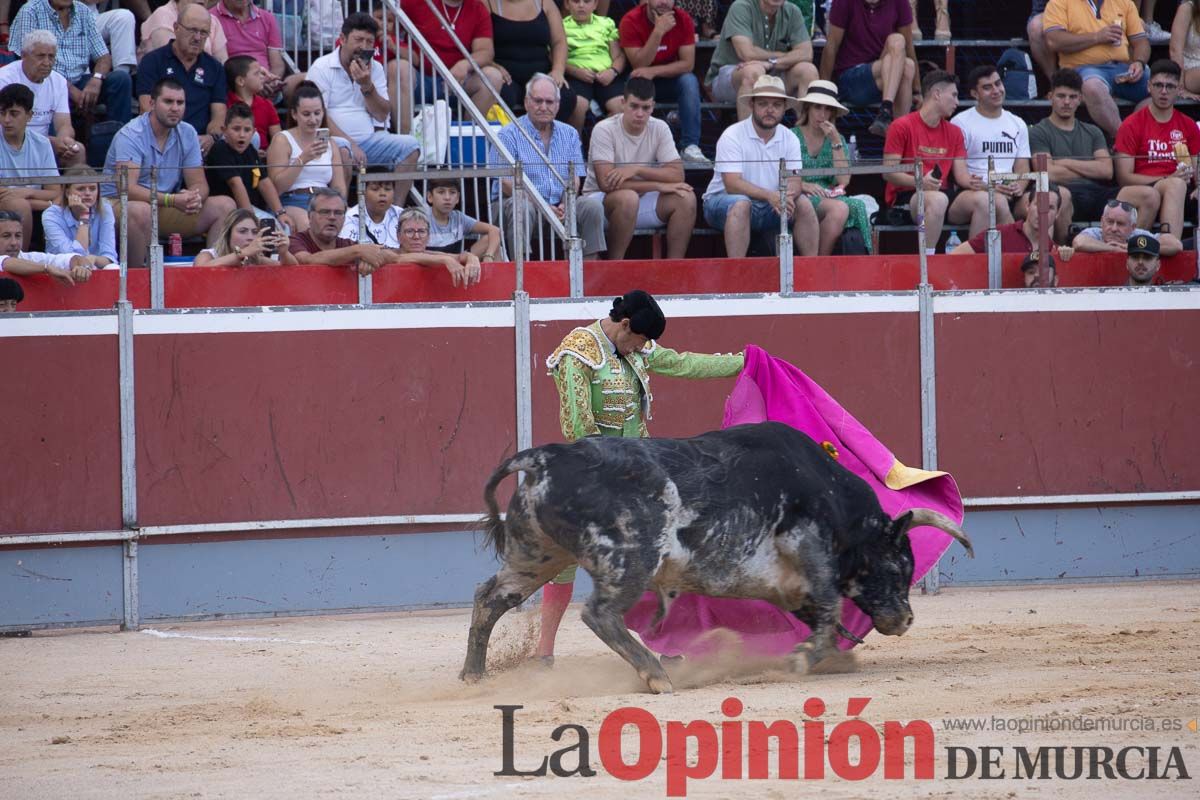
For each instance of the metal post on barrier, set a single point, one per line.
(157, 293)
(787, 263)
(1042, 165)
(365, 284)
(518, 224)
(123, 200)
(993, 235)
(926, 334)
(923, 260)
(574, 243)
(524, 370)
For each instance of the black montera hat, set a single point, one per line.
(642, 311)
(1141, 243)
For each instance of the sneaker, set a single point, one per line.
(693, 155)
(880, 124)
(1156, 33)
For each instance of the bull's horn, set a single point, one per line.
(927, 516)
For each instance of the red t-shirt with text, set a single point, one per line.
(636, 28)
(1152, 143)
(939, 146)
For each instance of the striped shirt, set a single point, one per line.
(565, 147)
(78, 46)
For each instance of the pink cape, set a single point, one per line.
(772, 389)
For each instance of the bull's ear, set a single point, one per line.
(900, 526)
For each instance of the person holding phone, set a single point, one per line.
(301, 160)
(246, 240)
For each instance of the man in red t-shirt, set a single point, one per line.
(1022, 236)
(660, 42)
(927, 132)
(472, 23)
(1156, 149)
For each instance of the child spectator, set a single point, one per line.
(448, 226)
(382, 225)
(80, 223)
(11, 293)
(246, 80)
(595, 59)
(235, 169)
(244, 241)
(24, 154)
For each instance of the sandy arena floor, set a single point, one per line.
(370, 706)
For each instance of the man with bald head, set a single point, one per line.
(201, 75)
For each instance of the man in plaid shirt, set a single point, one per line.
(83, 58)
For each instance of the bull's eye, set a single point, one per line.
(829, 448)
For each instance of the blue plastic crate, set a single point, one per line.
(469, 145)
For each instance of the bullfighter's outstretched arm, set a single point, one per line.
(574, 382)
(672, 363)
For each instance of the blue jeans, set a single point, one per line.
(1133, 92)
(116, 92)
(388, 149)
(857, 86)
(685, 90)
(718, 206)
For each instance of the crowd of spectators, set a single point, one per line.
(196, 90)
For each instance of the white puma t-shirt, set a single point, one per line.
(1006, 138)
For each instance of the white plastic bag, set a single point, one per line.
(431, 127)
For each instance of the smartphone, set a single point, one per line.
(323, 135)
(936, 171)
(365, 57)
(267, 226)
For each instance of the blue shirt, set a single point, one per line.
(565, 147)
(203, 84)
(78, 46)
(136, 143)
(61, 226)
(34, 158)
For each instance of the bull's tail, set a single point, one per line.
(927, 516)
(492, 524)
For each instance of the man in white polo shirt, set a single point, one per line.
(39, 49)
(743, 197)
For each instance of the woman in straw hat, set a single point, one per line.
(824, 148)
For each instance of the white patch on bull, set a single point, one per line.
(674, 558)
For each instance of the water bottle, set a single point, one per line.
(852, 150)
(952, 241)
(175, 245)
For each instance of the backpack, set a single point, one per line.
(1016, 69)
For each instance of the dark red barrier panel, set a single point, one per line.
(1064, 403)
(323, 423)
(405, 283)
(43, 293)
(216, 287)
(61, 468)
(870, 362)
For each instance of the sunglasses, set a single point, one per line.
(1119, 204)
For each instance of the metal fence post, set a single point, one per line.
(128, 434)
(993, 235)
(123, 197)
(365, 285)
(1045, 222)
(922, 258)
(520, 236)
(574, 243)
(157, 291)
(927, 377)
(131, 611)
(787, 263)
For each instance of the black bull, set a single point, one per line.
(755, 511)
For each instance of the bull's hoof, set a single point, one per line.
(659, 685)
(470, 677)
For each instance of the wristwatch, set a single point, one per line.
(773, 60)
(98, 76)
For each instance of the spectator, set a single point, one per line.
(11, 293)
(1109, 48)
(1079, 159)
(1185, 44)
(702, 13)
(1143, 261)
(941, 25)
(870, 49)
(395, 66)
(117, 28)
(743, 196)
(636, 172)
(990, 131)
(160, 138)
(1155, 152)
(659, 41)
(355, 91)
(1117, 224)
(382, 222)
(299, 161)
(159, 29)
(472, 25)
(557, 143)
(321, 244)
(818, 132)
(1019, 237)
(236, 170)
(927, 133)
(70, 268)
(36, 70)
(83, 59)
(245, 240)
(760, 37)
(530, 41)
(448, 227)
(1032, 275)
(1035, 29)
(245, 80)
(253, 31)
(201, 76)
(24, 154)
(595, 59)
(464, 268)
(80, 223)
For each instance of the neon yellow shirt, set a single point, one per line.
(588, 45)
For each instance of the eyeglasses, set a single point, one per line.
(329, 212)
(1164, 87)
(1128, 207)
(196, 33)
(415, 232)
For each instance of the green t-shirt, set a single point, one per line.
(809, 9)
(1082, 142)
(745, 18)
(588, 45)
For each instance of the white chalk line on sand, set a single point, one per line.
(172, 635)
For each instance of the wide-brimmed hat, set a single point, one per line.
(768, 86)
(824, 93)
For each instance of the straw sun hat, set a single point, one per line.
(768, 86)
(824, 93)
